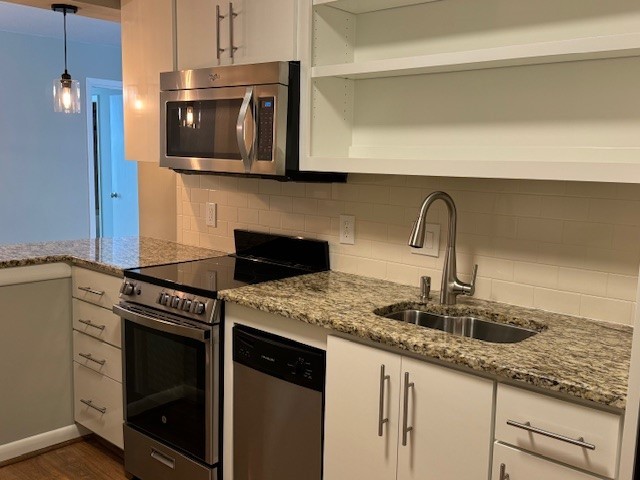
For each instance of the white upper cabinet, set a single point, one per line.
(498, 88)
(147, 50)
(217, 32)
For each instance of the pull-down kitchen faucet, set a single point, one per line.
(451, 286)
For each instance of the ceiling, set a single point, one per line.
(47, 23)
(102, 9)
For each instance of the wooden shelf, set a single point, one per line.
(591, 48)
(365, 6)
(589, 164)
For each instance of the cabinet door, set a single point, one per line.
(265, 30)
(449, 413)
(524, 466)
(147, 50)
(197, 33)
(353, 446)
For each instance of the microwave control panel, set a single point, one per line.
(266, 109)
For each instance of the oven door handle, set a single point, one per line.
(241, 130)
(161, 325)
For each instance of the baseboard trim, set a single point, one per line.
(10, 452)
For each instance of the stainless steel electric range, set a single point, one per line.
(172, 351)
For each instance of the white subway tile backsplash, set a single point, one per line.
(561, 246)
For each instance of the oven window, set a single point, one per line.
(165, 387)
(203, 129)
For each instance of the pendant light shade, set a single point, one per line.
(66, 91)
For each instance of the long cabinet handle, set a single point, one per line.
(219, 17)
(89, 357)
(405, 409)
(92, 290)
(556, 436)
(89, 323)
(232, 15)
(89, 403)
(381, 420)
(503, 472)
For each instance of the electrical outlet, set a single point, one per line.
(347, 229)
(212, 214)
(431, 241)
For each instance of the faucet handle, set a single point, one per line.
(472, 285)
(425, 288)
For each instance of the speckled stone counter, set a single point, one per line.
(574, 356)
(108, 255)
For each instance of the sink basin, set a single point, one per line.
(464, 326)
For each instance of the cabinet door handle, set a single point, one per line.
(89, 357)
(503, 472)
(556, 436)
(219, 17)
(91, 290)
(232, 15)
(89, 323)
(163, 459)
(89, 403)
(405, 410)
(381, 420)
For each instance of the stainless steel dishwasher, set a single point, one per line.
(278, 402)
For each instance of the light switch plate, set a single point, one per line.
(431, 241)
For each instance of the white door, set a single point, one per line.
(519, 465)
(358, 396)
(450, 415)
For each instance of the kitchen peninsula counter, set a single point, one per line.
(107, 255)
(577, 357)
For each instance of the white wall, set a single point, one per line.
(567, 247)
(43, 155)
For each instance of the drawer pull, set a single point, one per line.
(528, 427)
(381, 420)
(503, 472)
(89, 323)
(91, 290)
(163, 459)
(89, 357)
(89, 403)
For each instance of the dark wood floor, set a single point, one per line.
(83, 460)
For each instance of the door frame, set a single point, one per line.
(89, 85)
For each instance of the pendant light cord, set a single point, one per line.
(64, 16)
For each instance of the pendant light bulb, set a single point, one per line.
(66, 91)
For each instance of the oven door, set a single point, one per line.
(225, 130)
(171, 373)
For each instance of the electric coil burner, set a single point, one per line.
(172, 351)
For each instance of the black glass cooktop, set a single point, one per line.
(208, 276)
(260, 257)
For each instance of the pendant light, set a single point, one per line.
(66, 91)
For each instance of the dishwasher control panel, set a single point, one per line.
(279, 357)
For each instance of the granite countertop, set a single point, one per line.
(574, 356)
(108, 255)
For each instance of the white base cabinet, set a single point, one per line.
(512, 464)
(429, 415)
(97, 366)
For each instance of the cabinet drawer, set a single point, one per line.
(97, 322)
(104, 417)
(522, 465)
(558, 417)
(95, 287)
(97, 355)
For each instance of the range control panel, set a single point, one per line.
(266, 116)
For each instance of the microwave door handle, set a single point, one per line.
(241, 130)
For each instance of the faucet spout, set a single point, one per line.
(451, 286)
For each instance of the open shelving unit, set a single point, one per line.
(503, 89)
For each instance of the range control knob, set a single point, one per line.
(175, 301)
(198, 308)
(127, 288)
(164, 299)
(186, 305)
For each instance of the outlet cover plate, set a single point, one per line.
(431, 241)
(347, 229)
(212, 214)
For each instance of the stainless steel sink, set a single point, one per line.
(464, 326)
